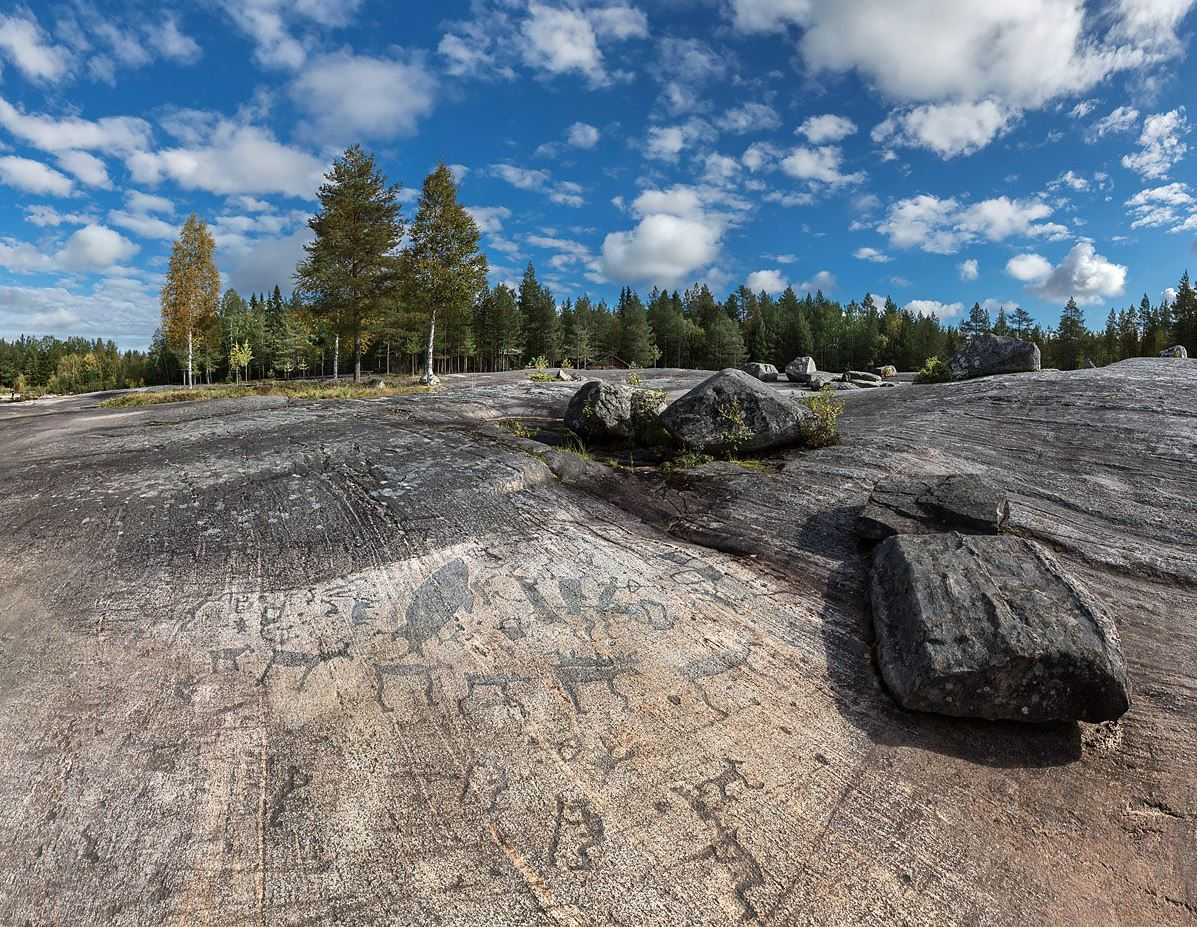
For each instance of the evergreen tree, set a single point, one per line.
(443, 270)
(1021, 322)
(1184, 315)
(1070, 336)
(192, 290)
(350, 272)
(978, 322)
(637, 346)
(1001, 325)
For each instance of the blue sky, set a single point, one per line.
(1017, 152)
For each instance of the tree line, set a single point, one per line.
(386, 295)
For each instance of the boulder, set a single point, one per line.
(841, 385)
(960, 502)
(601, 411)
(992, 627)
(818, 380)
(766, 373)
(564, 375)
(731, 412)
(1177, 351)
(888, 372)
(866, 384)
(861, 375)
(800, 369)
(986, 355)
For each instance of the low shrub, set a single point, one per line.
(824, 429)
(935, 370)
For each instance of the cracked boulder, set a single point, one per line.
(601, 411)
(800, 369)
(992, 627)
(987, 355)
(731, 412)
(960, 502)
(766, 373)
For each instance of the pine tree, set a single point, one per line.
(538, 312)
(978, 322)
(637, 346)
(1070, 336)
(1021, 321)
(192, 290)
(1184, 315)
(443, 270)
(349, 272)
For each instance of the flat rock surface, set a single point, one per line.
(380, 662)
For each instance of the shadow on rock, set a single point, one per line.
(860, 696)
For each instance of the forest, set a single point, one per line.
(359, 301)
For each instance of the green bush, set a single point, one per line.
(634, 378)
(824, 429)
(934, 371)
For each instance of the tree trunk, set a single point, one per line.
(430, 376)
(337, 356)
(388, 358)
(357, 356)
(190, 380)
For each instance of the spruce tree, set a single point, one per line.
(191, 293)
(637, 346)
(349, 273)
(443, 270)
(1070, 336)
(978, 322)
(1184, 315)
(1021, 321)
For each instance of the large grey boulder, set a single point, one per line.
(766, 373)
(960, 502)
(601, 411)
(731, 412)
(861, 375)
(800, 369)
(986, 355)
(1176, 351)
(819, 379)
(992, 627)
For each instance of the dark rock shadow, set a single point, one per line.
(860, 695)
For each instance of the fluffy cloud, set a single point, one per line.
(1122, 119)
(769, 281)
(826, 128)
(824, 280)
(969, 269)
(948, 129)
(33, 177)
(582, 135)
(563, 192)
(118, 307)
(171, 43)
(749, 117)
(489, 219)
(932, 307)
(87, 167)
(820, 165)
(943, 226)
(236, 159)
(90, 249)
(272, 24)
(114, 134)
(142, 225)
(30, 50)
(684, 67)
(348, 96)
(871, 254)
(1083, 275)
(49, 217)
(1163, 206)
(256, 265)
(679, 232)
(1160, 145)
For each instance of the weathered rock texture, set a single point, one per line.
(383, 663)
(1177, 351)
(601, 411)
(732, 412)
(992, 627)
(766, 373)
(959, 502)
(799, 370)
(986, 355)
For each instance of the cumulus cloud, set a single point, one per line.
(969, 269)
(769, 281)
(32, 176)
(114, 134)
(582, 135)
(1083, 275)
(89, 249)
(1163, 206)
(489, 219)
(948, 129)
(749, 117)
(934, 308)
(348, 96)
(944, 226)
(273, 24)
(820, 165)
(820, 130)
(49, 217)
(118, 307)
(86, 167)
(30, 50)
(871, 254)
(236, 158)
(1160, 145)
(1122, 119)
(824, 280)
(684, 66)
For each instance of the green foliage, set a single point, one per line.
(294, 389)
(935, 370)
(824, 429)
(517, 428)
(736, 432)
(633, 378)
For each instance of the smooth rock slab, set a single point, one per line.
(731, 412)
(986, 355)
(602, 411)
(960, 502)
(992, 627)
(766, 373)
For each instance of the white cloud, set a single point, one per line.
(826, 128)
(666, 143)
(932, 307)
(236, 159)
(173, 44)
(1122, 119)
(349, 96)
(489, 219)
(272, 23)
(824, 280)
(87, 167)
(943, 226)
(258, 264)
(33, 177)
(48, 216)
(30, 50)
(1083, 275)
(1160, 145)
(560, 40)
(684, 67)
(1083, 109)
(95, 248)
(679, 233)
(948, 129)
(969, 269)
(142, 225)
(1167, 296)
(759, 156)
(769, 281)
(749, 117)
(582, 135)
(564, 192)
(871, 254)
(1071, 180)
(821, 165)
(1163, 206)
(112, 134)
(147, 202)
(115, 307)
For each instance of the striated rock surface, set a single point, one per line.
(986, 355)
(960, 502)
(992, 627)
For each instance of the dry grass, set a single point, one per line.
(303, 389)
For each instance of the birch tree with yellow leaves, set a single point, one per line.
(192, 291)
